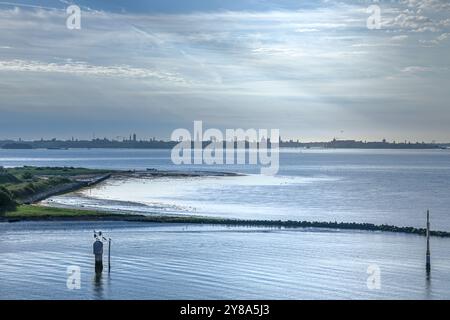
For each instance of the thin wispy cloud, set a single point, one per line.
(83, 69)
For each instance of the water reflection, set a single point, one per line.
(98, 285)
(428, 286)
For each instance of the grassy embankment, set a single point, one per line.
(19, 185)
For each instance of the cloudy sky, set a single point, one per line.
(310, 68)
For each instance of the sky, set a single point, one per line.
(312, 69)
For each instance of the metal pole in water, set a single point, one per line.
(428, 259)
(109, 255)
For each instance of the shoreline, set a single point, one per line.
(42, 213)
(29, 211)
(65, 188)
(75, 179)
(78, 185)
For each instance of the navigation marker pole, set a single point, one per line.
(109, 255)
(428, 259)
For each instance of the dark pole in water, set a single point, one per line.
(109, 255)
(428, 259)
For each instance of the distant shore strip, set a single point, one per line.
(87, 215)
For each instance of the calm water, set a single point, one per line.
(159, 261)
(162, 261)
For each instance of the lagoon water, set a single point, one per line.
(377, 186)
(177, 261)
(160, 261)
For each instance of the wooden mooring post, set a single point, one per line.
(98, 251)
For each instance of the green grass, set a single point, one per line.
(42, 212)
(52, 171)
(6, 177)
(32, 211)
(25, 189)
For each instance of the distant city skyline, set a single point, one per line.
(136, 138)
(312, 69)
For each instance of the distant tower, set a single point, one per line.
(134, 137)
(428, 259)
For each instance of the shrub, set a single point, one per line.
(27, 175)
(30, 188)
(3, 189)
(7, 178)
(6, 200)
